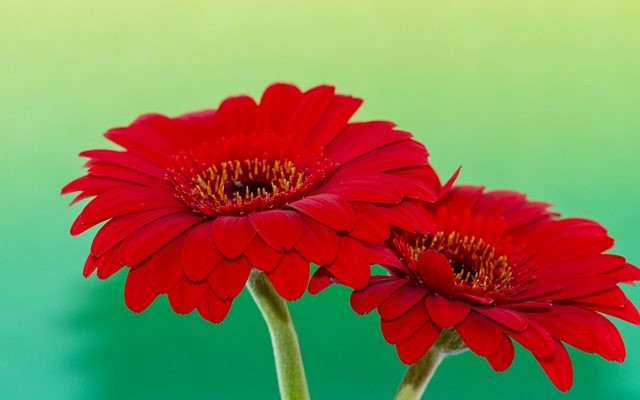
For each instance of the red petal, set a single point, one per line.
(340, 110)
(462, 197)
(306, 115)
(199, 254)
(558, 368)
(362, 137)
(400, 302)
(371, 225)
(317, 243)
(120, 202)
(502, 359)
(407, 325)
(90, 265)
(628, 273)
(166, 266)
(237, 115)
(361, 190)
(383, 255)
(276, 106)
(173, 131)
(367, 299)
(232, 235)
(123, 174)
(481, 335)
(449, 184)
(613, 297)
(328, 209)
(513, 320)
(417, 346)
(202, 123)
(213, 308)
(535, 339)
(262, 256)
(404, 216)
(436, 272)
(138, 293)
(228, 279)
(628, 312)
(119, 228)
(419, 183)
(150, 238)
(405, 154)
(108, 264)
(351, 266)
(82, 196)
(472, 299)
(279, 228)
(186, 295)
(93, 185)
(291, 276)
(499, 202)
(584, 329)
(320, 280)
(125, 159)
(446, 313)
(142, 141)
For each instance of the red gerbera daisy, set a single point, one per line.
(193, 203)
(495, 268)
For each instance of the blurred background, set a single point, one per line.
(539, 96)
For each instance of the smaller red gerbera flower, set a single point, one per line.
(192, 204)
(495, 268)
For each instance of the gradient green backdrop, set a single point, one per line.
(541, 96)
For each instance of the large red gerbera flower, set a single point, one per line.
(194, 203)
(494, 268)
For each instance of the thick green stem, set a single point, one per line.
(286, 351)
(418, 375)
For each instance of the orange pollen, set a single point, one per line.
(239, 182)
(241, 186)
(475, 263)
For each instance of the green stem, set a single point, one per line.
(418, 375)
(286, 351)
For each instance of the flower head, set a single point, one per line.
(193, 203)
(494, 268)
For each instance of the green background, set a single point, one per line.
(539, 96)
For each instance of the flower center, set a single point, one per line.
(241, 182)
(475, 263)
(239, 186)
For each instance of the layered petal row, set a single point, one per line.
(496, 268)
(193, 203)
